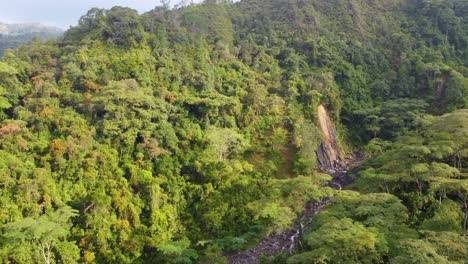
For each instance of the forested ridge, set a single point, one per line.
(183, 135)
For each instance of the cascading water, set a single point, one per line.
(328, 152)
(330, 160)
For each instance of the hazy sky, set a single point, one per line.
(62, 13)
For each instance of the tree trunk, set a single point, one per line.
(419, 186)
(465, 221)
(46, 255)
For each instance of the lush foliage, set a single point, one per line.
(415, 203)
(175, 135)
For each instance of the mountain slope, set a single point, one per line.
(177, 135)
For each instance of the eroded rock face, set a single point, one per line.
(331, 162)
(328, 152)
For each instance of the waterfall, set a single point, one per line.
(328, 152)
(330, 160)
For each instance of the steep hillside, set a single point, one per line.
(183, 135)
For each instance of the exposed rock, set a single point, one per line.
(331, 162)
(288, 241)
(328, 152)
(285, 241)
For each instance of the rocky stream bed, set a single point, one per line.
(288, 240)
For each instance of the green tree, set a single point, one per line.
(344, 241)
(45, 231)
(418, 251)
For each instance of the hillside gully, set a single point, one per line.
(330, 160)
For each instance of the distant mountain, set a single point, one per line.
(14, 35)
(29, 28)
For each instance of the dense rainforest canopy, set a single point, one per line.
(180, 135)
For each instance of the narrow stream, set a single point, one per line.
(287, 241)
(330, 161)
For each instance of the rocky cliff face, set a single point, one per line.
(328, 152)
